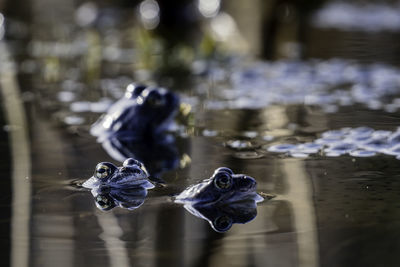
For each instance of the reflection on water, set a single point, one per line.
(127, 198)
(222, 217)
(157, 157)
(73, 62)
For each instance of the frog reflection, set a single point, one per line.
(144, 113)
(129, 198)
(224, 199)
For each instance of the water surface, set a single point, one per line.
(327, 211)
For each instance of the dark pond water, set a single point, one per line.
(334, 205)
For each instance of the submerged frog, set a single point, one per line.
(224, 199)
(143, 113)
(131, 174)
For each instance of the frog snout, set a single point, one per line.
(247, 183)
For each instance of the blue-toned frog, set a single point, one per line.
(143, 113)
(131, 174)
(124, 187)
(224, 199)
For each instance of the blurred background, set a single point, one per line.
(252, 74)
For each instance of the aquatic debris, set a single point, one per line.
(394, 151)
(340, 148)
(370, 17)
(80, 106)
(394, 138)
(299, 155)
(66, 96)
(361, 131)
(267, 137)
(308, 148)
(362, 153)
(327, 84)
(250, 134)
(356, 142)
(241, 145)
(281, 148)
(74, 120)
(296, 151)
(86, 106)
(375, 144)
(209, 133)
(248, 155)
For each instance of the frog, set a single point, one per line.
(132, 174)
(143, 113)
(223, 199)
(222, 187)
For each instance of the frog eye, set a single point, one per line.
(223, 180)
(222, 223)
(224, 169)
(104, 170)
(104, 202)
(132, 162)
(155, 99)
